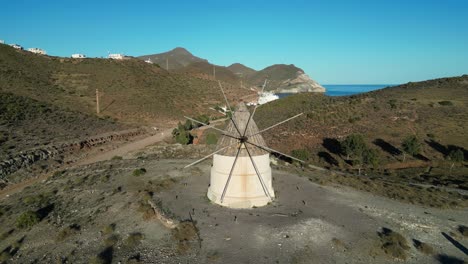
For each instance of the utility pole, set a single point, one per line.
(97, 101)
(214, 71)
(167, 64)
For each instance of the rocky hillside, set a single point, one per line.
(285, 79)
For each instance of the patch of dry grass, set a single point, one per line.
(394, 244)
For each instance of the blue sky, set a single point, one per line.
(335, 42)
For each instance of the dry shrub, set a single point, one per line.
(146, 210)
(67, 232)
(423, 247)
(463, 230)
(133, 240)
(394, 244)
(184, 233)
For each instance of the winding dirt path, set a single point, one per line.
(119, 151)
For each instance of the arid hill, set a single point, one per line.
(131, 90)
(434, 111)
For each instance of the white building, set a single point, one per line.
(149, 61)
(78, 56)
(116, 56)
(16, 46)
(37, 51)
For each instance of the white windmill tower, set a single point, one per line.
(241, 173)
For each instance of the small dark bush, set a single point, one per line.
(27, 219)
(139, 172)
(446, 103)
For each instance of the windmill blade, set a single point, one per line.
(268, 128)
(204, 158)
(255, 109)
(230, 136)
(230, 173)
(225, 98)
(265, 189)
(272, 150)
(230, 109)
(210, 126)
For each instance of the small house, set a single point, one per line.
(116, 56)
(37, 51)
(16, 46)
(78, 56)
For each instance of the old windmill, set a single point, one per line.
(241, 173)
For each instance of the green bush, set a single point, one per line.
(27, 219)
(411, 145)
(302, 154)
(184, 137)
(211, 139)
(446, 103)
(139, 172)
(133, 240)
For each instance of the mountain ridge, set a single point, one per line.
(282, 78)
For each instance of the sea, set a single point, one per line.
(347, 89)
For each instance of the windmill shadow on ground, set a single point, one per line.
(387, 147)
(455, 243)
(328, 158)
(445, 150)
(445, 259)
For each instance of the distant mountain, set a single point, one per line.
(241, 70)
(281, 77)
(176, 58)
(285, 79)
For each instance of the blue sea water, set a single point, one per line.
(346, 89)
(350, 89)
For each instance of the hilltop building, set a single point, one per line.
(116, 56)
(149, 61)
(37, 51)
(16, 46)
(78, 56)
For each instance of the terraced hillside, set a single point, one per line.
(132, 91)
(434, 111)
(26, 123)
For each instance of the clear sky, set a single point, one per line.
(335, 42)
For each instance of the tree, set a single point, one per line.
(188, 125)
(353, 145)
(184, 137)
(302, 154)
(456, 156)
(370, 157)
(411, 146)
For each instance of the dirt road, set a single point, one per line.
(120, 151)
(127, 148)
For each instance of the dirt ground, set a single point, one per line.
(307, 223)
